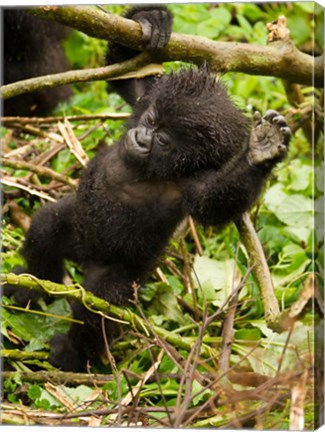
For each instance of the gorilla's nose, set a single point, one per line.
(144, 137)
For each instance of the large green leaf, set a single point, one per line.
(265, 359)
(162, 301)
(214, 279)
(293, 210)
(296, 210)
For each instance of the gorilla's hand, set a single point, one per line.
(156, 23)
(269, 139)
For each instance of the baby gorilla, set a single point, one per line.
(187, 150)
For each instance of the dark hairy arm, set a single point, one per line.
(156, 23)
(219, 196)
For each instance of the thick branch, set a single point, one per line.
(260, 269)
(77, 293)
(280, 59)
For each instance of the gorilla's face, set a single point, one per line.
(151, 144)
(185, 124)
(149, 137)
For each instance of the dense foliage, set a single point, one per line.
(162, 382)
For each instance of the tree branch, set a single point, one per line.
(49, 81)
(100, 306)
(260, 269)
(276, 320)
(280, 58)
(38, 169)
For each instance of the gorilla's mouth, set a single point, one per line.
(135, 145)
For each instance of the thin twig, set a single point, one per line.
(55, 119)
(40, 170)
(12, 181)
(72, 142)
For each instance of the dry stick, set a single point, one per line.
(40, 133)
(12, 181)
(195, 236)
(276, 320)
(73, 142)
(261, 271)
(188, 279)
(206, 321)
(228, 334)
(298, 394)
(295, 98)
(54, 119)
(190, 371)
(37, 169)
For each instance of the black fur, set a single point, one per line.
(32, 47)
(187, 150)
(156, 22)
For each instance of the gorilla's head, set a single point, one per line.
(186, 123)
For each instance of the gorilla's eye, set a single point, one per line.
(163, 140)
(151, 119)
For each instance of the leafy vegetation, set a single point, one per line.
(204, 292)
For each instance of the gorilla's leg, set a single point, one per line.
(86, 342)
(49, 240)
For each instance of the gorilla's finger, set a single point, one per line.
(257, 118)
(146, 29)
(279, 120)
(270, 114)
(286, 132)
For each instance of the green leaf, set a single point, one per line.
(248, 334)
(296, 210)
(293, 262)
(298, 234)
(299, 27)
(308, 7)
(265, 359)
(215, 278)
(76, 395)
(34, 391)
(260, 33)
(301, 176)
(202, 395)
(63, 161)
(162, 301)
(244, 24)
(251, 11)
(30, 327)
(293, 210)
(274, 196)
(215, 24)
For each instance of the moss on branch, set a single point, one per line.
(280, 58)
(96, 304)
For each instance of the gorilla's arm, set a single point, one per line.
(156, 24)
(218, 197)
